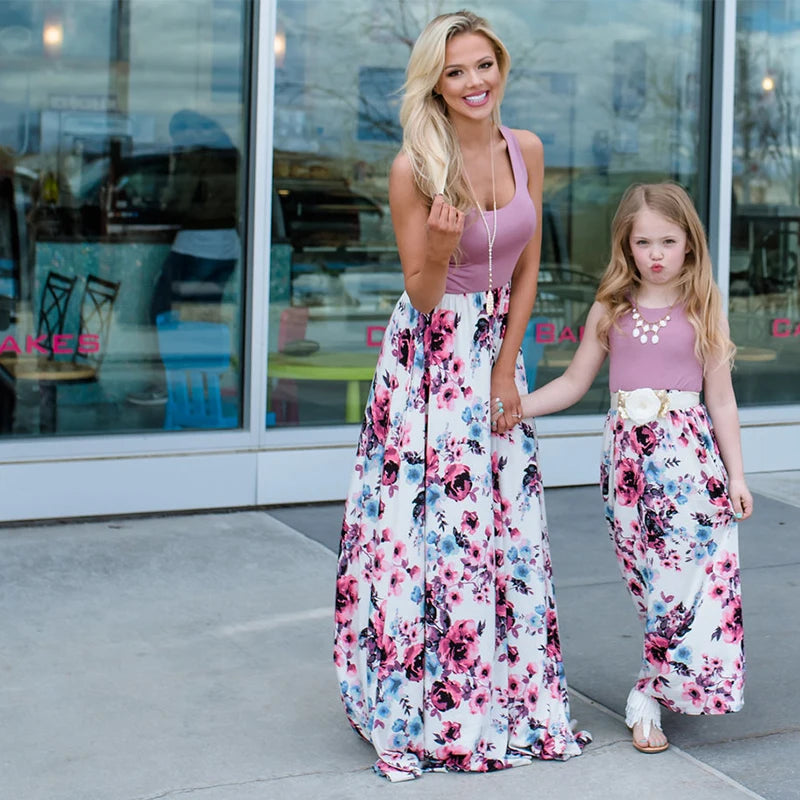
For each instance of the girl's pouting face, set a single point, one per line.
(659, 247)
(470, 81)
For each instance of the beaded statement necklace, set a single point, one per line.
(641, 327)
(490, 235)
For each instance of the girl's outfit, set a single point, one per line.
(447, 646)
(671, 520)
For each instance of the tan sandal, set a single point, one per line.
(646, 711)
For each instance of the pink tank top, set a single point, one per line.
(668, 364)
(516, 223)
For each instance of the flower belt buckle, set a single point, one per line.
(641, 406)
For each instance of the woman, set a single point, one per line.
(447, 642)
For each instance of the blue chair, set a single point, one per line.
(532, 351)
(196, 356)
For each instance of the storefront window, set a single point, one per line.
(613, 90)
(765, 226)
(123, 142)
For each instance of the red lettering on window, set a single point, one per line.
(61, 342)
(88, 343)
(781, 327)
(10, 345)
(372, 330)
(545, 332)
(567, 335)
(36, 344)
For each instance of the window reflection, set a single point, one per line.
(122, 136)
(625, 109)
(765, 225)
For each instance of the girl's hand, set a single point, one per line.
(741, 498)
(444, 228)
(505, 408)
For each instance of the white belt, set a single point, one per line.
(646, 405)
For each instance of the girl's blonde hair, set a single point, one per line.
(698, 292)
(429, 139)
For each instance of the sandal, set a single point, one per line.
(646, 711)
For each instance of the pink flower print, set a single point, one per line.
(469, 522)
(414, 662)
(457, 481)
(717, 705)
(718, 590)
(440, 335)
(404, 347)
(531, 696)
(474, 555)
(379, 412)
(693, 693)
(451, 731)
(398, 552)
(391, 466)
(450, 575)
(454, 758)
(445, 695)
(732, 631)
(716, 492)
(484, 671)
(346, 598)
(457, 369)
(655, 651)
(396, 582)
(629, 482)
(531, 668)
(454, 597)
(447, 395)
(726, 565)
(515, 686)
(478, 701)
(643, 440)
(458, 650)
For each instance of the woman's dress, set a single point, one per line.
(674, 529)
(447, 646)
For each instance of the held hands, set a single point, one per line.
(505, 409)
(444, 228)
(741, 498)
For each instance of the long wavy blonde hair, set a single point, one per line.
(698, 292)
(429, 139)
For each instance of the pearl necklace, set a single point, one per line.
(641, 326)
(491, 236)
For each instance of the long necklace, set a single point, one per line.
(641, 326)
(490, 235)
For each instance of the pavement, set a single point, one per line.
(189, 656)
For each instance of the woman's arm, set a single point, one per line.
(721, 403)
(426, 238)
(523, 289)
(567, 389)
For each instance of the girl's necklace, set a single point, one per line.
(641, 326)
(490, 235)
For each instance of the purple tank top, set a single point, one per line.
(669, 364)
(516, 223)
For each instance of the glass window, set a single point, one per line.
(123, 136)
(613, 90)
(765, 225)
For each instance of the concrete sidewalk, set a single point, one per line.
(190, 656)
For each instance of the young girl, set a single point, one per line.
(447, 645)
(673, 489)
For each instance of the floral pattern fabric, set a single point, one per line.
(447, 646)
(676, 540)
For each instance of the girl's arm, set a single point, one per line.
(721, 403)
(426, 238)
(523, 290)
(567, 389)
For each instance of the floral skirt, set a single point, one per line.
(447, 647)
(676, 540)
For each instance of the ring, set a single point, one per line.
(517, 416)
(498, 400)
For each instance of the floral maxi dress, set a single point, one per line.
(447, 646)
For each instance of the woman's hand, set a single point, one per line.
(505, 408)
(444, 228)
(741, 498)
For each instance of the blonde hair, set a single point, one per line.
(698, 292)
(429, 139)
